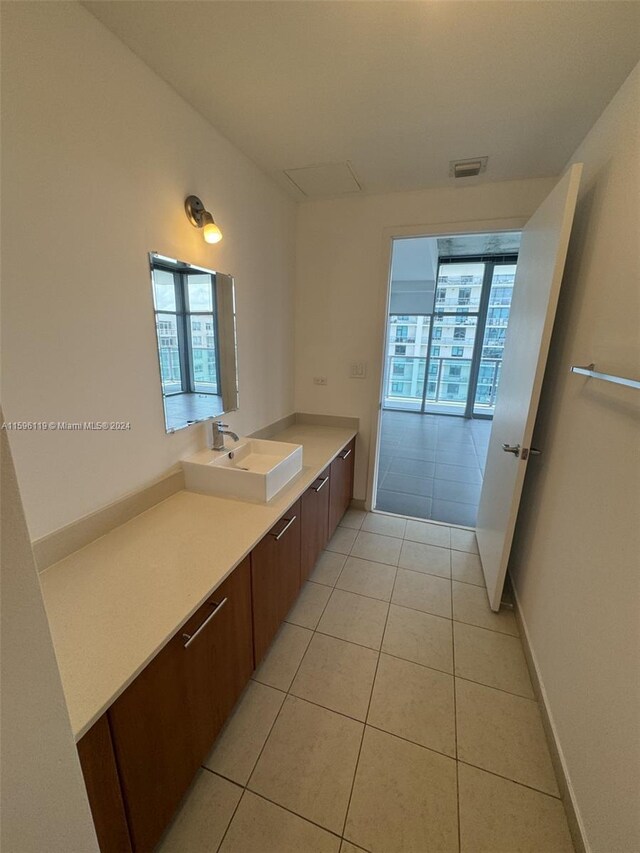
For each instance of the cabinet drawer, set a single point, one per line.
(315, 523)
(275, 578)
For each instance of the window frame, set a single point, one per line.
(183, 316)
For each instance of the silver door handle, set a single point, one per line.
(322, 484)
(344, 456)
(284, 529)
(512, 448)
(191, 637)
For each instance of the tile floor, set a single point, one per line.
(392, 713)
(431, 466)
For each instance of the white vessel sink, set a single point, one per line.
(251, 468)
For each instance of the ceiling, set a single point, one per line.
(394, 89)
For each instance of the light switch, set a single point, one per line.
(358, 370)
(319, 380)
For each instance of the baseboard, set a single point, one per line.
(576, 827)
(327, 420)
(274, 428)
(357, 503)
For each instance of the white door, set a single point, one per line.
(543, 251)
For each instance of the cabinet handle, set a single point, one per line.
(344, 455)
(323, 483)
(284, 529)
(191, 637)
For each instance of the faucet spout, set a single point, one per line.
(218, 432)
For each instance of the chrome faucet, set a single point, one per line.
(218, 432)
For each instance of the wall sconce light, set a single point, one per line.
(201, 218)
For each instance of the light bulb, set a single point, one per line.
(211, 233)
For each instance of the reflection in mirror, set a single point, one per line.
(196, 335)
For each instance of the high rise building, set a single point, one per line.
(442, 344)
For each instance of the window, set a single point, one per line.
(435, 351)
(464, 296)
(501, 296)
(398, 369)
(492, 352)
(402, 333)
(437, 334)
(401, 349)
(457, 351)
(452, 389)
(495, 334)
(396, 387)
(459, 334)
(184, 300)
(455, 370)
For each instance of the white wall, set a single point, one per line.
(341, 255)
(575, 559)
(43, 801)
(98, 156)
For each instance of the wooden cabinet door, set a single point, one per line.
(152, 739)
(315, 523)
(98, 763)
(275, 578)
(167, 719)
(341, 485)
(219, 659)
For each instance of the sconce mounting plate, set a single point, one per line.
(195, 210)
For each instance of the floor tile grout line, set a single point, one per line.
(406, 660)
(412, 742)
(378, 652)
(224, 834)
(246, 788)
(366, 724)
(417, 571)
(455, 717)
(499, 689)
(364, 729)
(292, 812)
(277, 716)
(355, 769)
(421, 520)
(508, 779)
(406, 538)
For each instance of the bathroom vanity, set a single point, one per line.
(159, 624)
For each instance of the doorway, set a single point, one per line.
(448, 310)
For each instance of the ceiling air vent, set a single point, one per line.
(467, 168)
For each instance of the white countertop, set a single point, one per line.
(115, 603)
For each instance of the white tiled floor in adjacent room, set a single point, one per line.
(393, 713)
(431, 466)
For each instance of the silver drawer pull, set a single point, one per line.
(344, 455)
(323, 483)
(191, 637)
(284, 529)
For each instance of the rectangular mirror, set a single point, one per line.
(196, 335)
